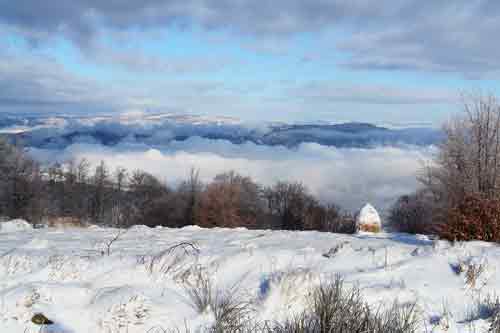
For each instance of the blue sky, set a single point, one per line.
(285, 60)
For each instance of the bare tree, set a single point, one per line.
(17, 175)
(413, 213)
(82, 189)
(231, 200)
(191, 190)
(115, 238)
(145, 192)
(119, 215)
(101, 185)
(468, 162)
(291, 203)
(464, 178)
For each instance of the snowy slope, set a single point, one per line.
(64, 274)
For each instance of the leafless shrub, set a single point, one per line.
(200, 291)
(231, 200)
(299, 324)
(473, 274)
(109, 243)
(333, 309)
(293, 207)
(484, 308)
(332, 304)
(464, 177)
(495, 319)
(157, 262)
(231, 312)
(336, 309)
(398, 319)
(413, 213)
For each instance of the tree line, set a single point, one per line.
(77, 192)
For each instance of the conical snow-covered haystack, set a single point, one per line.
(368, 219)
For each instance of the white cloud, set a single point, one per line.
(347, 176)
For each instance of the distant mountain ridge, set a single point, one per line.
(160, 129)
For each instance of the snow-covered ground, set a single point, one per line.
(67, 275)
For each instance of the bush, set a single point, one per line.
(330, 219)
(336, 309)
(495, 321)
(200, 291)
(231, 313)
(332, 308)
(487, 308)
(475, 218)
(412, 214)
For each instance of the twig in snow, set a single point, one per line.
(187, 247)
(109, 243)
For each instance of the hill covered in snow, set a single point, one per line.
(160, 129)
(67, 275)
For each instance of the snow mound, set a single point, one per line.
(368, 219)
(284, 293)
(15, 226)
(140, 228)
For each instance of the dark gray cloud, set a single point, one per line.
(443, 36)
(82, 18)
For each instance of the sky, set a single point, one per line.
(285, 60)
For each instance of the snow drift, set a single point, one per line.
(15, 225)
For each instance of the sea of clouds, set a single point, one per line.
(349, 177)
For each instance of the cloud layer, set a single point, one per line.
(349, 177)
(42, 85)
(438, 36)
(341, 60)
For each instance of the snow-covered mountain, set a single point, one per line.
(159, 129)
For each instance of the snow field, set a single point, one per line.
(68, 276)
